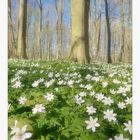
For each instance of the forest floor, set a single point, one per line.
(67, 101)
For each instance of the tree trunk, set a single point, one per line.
(39, 49)
(98, 33)
(105, 42)
(11, 37)
(122, 31)
(60, 10)
(21, 50)
(79, 50)
(94, 30)
(108, 33)
(129, 41)
(34, 31)
(49, 42)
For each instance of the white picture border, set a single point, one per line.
(4, 69)
(136, 69)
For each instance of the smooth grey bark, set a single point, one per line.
(98, 26)
(79, 50)
(22, 18)
(60, 11)
(122, 31)
(39, 48)
(11, 36)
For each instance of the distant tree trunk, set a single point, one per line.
(98, 33)
(79, 50)
(108, 33)
(95, 29)
(21, 47)
(115, 40)
(122, 31)
(49, 42)
(39, 49)
(34, 31)
(94, 8)
(60, 10)
(105, 42)
(11, 37)
(129, 38)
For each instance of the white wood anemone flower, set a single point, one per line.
(90, 110)
(107, 101)
(22, 100)
(128, 127)
(110, 115)
(120, 137)
(38, 108)
(19, 133)
(92, 124)
(17, 84)
(49, 96)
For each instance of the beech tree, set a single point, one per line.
(122, 31)
(79, 50)
(11, 36)
(22, 17)
(109, 60)
(60, 10)
(98, 30)
(39, 48)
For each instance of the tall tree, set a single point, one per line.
(48, 43)
(49, 38)
(98, 26)
(60, 10)
(21, 47)
(122, 31)
(94, 30)
(129, 31)
(39, 48)
(105, 41)
(11, 36)
(79, 50)
(34, 55)
(108, 33)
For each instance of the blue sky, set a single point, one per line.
(52, 16)
(51, 4)
(46, 4)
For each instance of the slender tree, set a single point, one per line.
(11, 36)
(34, 55)
(94, 30)
(122, 31)
(39, 48)
(105, 41)
(129, 31)
(79, 50)
(21, 47)
(48, 44)
(98, 26)
(49, 40)
(60, 10)
(108, 33)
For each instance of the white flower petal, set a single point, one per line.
(24, 129)
(27, 135)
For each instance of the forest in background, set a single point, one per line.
(44, 29)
